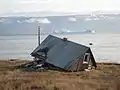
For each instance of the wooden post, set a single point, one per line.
(38, 35)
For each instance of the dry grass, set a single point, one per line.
(105, 77)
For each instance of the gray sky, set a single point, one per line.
(9, 6)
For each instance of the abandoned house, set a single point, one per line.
(64, 54)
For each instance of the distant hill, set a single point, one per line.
(103, 22)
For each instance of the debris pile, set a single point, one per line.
(37, 66)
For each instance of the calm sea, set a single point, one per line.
(105, 47)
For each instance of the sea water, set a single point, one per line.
(105, 47)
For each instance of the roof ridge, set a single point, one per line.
(69, 41)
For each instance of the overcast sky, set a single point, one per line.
(9, 6)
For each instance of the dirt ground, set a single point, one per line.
(105, 77)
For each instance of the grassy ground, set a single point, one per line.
(105, 77)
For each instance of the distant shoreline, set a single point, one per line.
(73, 33)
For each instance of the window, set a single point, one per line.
(86, 58)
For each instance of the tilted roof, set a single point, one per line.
(61, 52)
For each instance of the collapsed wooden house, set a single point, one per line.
(64, 54)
